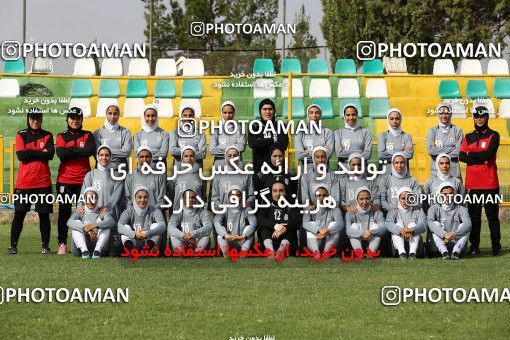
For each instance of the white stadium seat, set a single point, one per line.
(133, 107)
(9, 88)
(166, 67)
(297, 88)
(41, 66)
(376, 88)
(443, 66)
(82, 103)
(487, 103)
(395, 65)
(84, 67)
(320, 88)
(497, 66)
(348, 88)
(179, 65)
(193, 103)
(504, 108)
(139, 67)
(111, 67)
(264, 88)
(470, 66)
(193, 68)
(165, 107)
(102, 105)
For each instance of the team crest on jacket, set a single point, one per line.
(483, 144)
(286, 217)
(82, 144)
(41, 145)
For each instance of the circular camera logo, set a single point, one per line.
(390, 295)
(365, 50)
(187, 127)
(412, 199)
(197, 29)
(11, 50)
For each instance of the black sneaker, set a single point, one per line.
(475, 251)
(129, 244)
(12, 250)
(151, 244)
(446, 256)
(96, 254)
(85, 254)
(412, 256)
(403, 256)
(455, 256)
(45, 250)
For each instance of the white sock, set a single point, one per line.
(79, 240)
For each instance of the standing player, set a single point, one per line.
(34, 149)
(74, 147)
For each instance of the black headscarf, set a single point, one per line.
(481, 111)
(34, 111)
(265, 102)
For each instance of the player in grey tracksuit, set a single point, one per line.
(349, 185)
(186, 134)
(116, 137)
(152, 135)
(394, 140)
(235, 227)
(450, 224)
(444, 138)
(220, 141)
(406, 224)
(365, 227)
(324, 226)
(108, 189)
(304, 143)
(155, 183)
(141, 223)
(443, 174)
(352, 137)
(310, 180)
(190, 227)
(221, 182)
(189, 180)
(90, 228)
(390, 184)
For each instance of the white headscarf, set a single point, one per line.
(444, 127)
(225, 103)
(356, 194)
(399, 192)
(188, 147)
(318, 148)
(309, 107)
(146, 127)
(96, 206)
(141, 148)
(106, 124)
(188, 211)
(444, 206)
(398, 131)
(393, 171)
(238, 152)
(352, 156)
(139, 211)
(229, 190)
(109, 165)
(439, 174)
(346, 125)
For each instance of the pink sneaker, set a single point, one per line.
(62, 249)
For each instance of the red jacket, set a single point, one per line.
(478, 150)
(74, 150)
(33, 170)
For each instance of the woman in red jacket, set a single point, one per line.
(478, 150)
(34, 149)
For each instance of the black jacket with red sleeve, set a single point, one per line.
(478, 150)
(74, 150)
(33, 170)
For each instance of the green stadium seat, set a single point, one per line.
(261, 66)
(318, 65)
(345, 66)
(502, 88)
(81, 88)
(326, 106)
(374, 66)
(379, 107)
(298, 108)
(164, 89)
(476, 89)
(290, 66)
(191, 88)
(14, 66)
(109, 88)
(449, 89)
(355, 101)
(136, 88)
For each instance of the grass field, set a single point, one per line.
(218, 299)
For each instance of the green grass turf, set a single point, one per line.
(216, 298)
